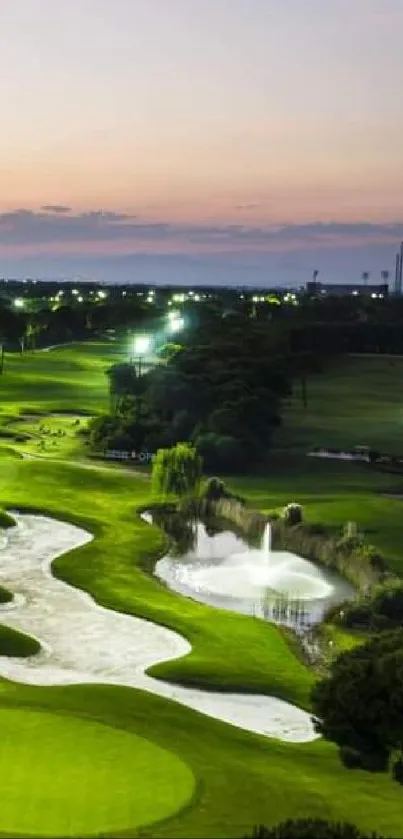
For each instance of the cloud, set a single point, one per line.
(254, 206)
(56, 208)
(98, 230)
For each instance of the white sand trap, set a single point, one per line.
(83, 642)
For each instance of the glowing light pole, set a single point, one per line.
(175, 322)
(142, 345)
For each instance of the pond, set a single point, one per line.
(210, 563)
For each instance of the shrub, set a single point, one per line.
(316, 529)
(214, 489)
(381, 610)
(350, 757)
(6, 520)
(360, 704)
(292, 514)
(5, 595)
(310, 829)
(397, 770)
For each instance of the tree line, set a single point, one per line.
(220, 390)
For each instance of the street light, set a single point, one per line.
(142, 345)
(176, 324)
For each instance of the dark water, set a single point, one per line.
(215, 566)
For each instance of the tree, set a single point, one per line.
(123, 381)
(311, 829)
(177, 470)
(360, 705)
(292, 514)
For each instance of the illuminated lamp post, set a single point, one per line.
(142, 345)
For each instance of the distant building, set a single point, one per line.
(342, 290)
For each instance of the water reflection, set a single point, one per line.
(216, 566)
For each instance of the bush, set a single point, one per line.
(6, 520)
(360, 704)
(214, 489)
(316, 529)
(292, 514)
(381, 610)
(350, 757)
(5, 595)
(397, 770)
(310, 829)
(376, 761)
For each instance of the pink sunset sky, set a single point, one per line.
(245, 140)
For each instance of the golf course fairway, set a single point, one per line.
(97, 779)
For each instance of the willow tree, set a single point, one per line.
(177, 471)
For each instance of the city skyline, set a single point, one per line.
(238, 138)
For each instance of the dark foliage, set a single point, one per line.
(360, 705)
(310, 829)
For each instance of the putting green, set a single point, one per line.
(66, 776)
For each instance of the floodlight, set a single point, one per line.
(142, 344)
(176, 324)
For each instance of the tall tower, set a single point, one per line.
(397, 273)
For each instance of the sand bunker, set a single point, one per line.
(83, 642)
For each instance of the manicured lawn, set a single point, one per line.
(65, 776)
(241, 779)
(355, 401)
(71, 378)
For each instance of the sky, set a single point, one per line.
(217, 141)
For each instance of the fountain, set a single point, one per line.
(223, 571)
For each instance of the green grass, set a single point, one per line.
(17, 644)
(70, 378)
(241, 779)
(65, 776)
(354, 401)
(51, 436)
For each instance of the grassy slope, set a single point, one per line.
(355, 401)
(70, 378)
